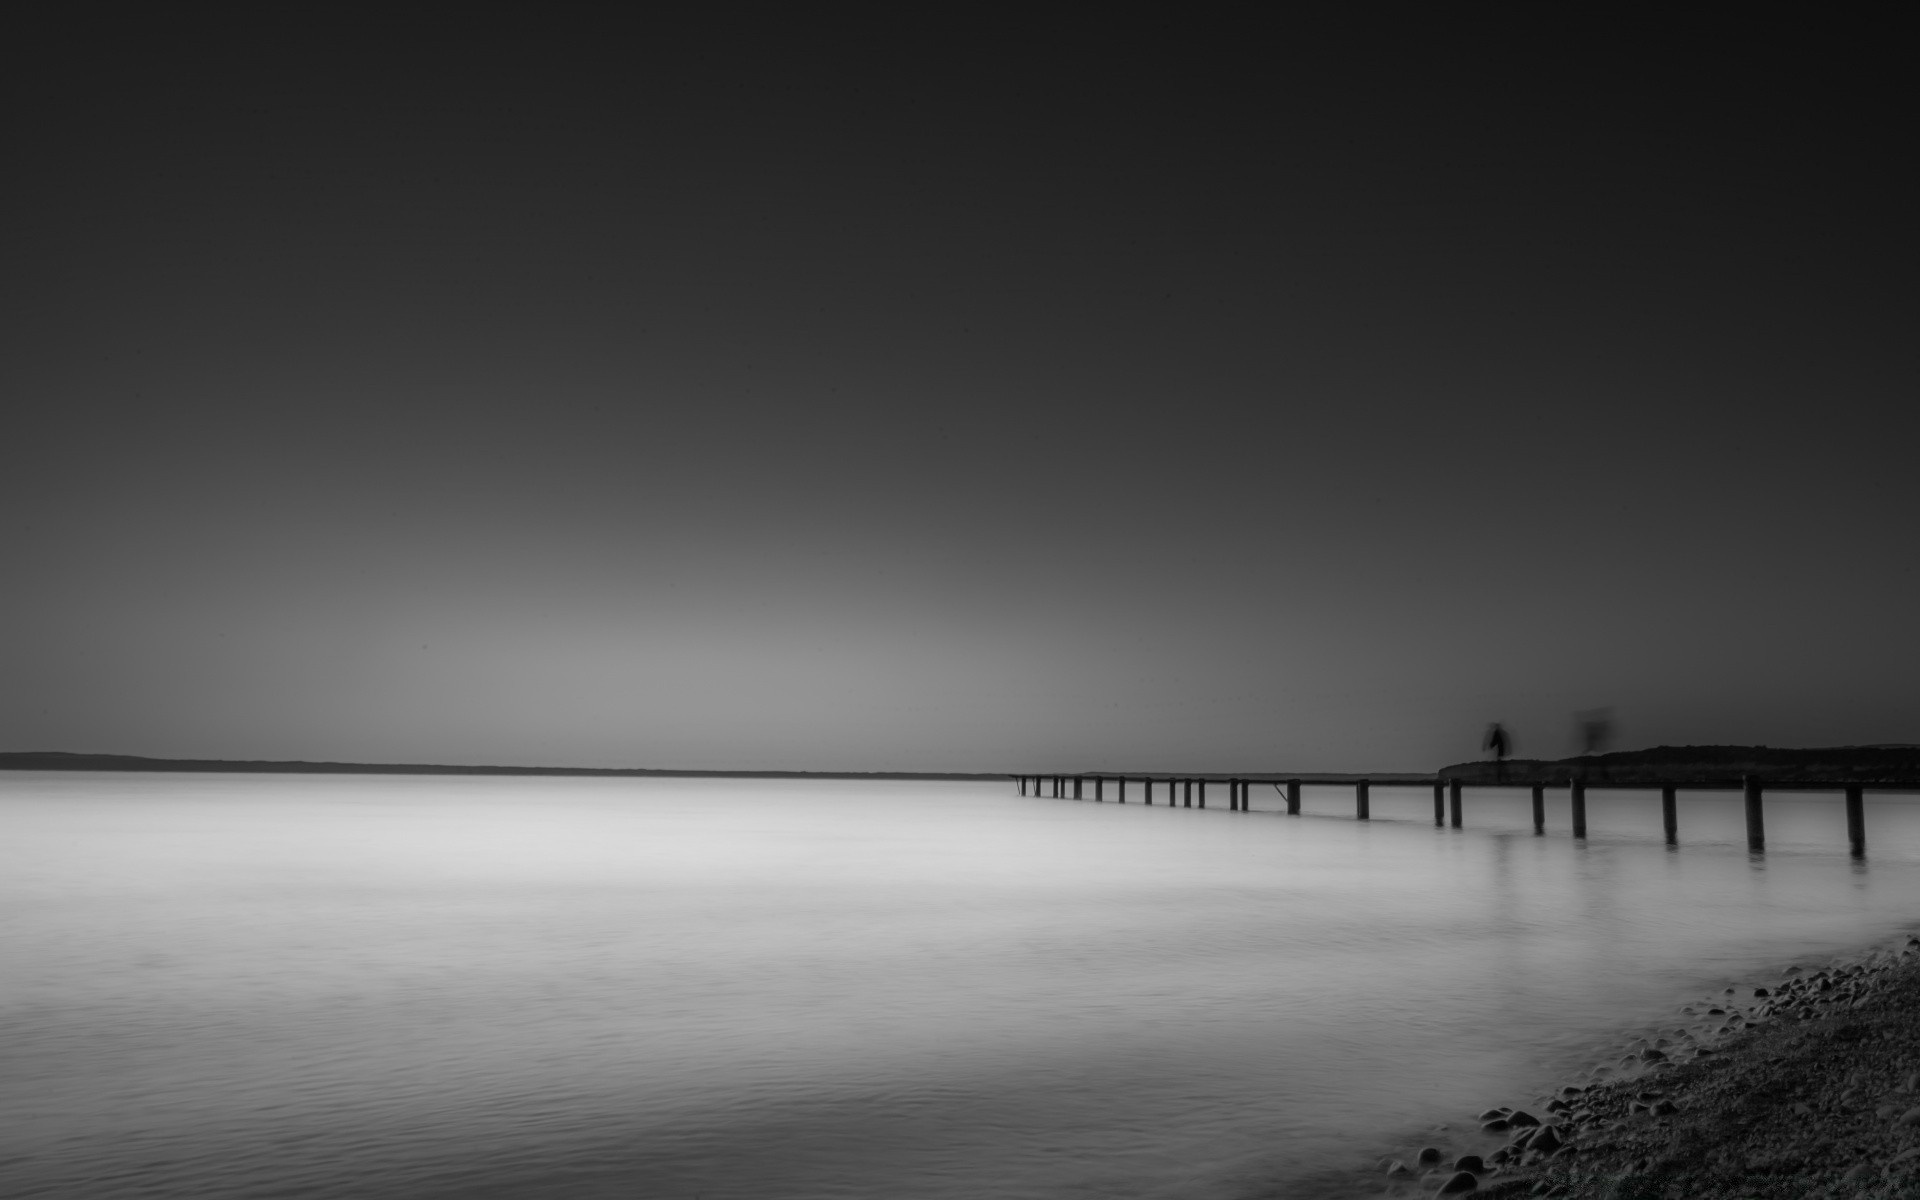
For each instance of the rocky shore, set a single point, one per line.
(1806, 1086)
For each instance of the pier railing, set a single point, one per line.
(1190, 791)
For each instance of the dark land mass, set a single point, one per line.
(53, 760)
(1706, 766)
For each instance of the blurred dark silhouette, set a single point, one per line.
(1593, 730)
(1498, 744)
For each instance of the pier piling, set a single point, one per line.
(1448, 808)
(1756, 819)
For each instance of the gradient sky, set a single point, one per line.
(873, 394)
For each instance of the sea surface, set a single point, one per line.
(383, 986)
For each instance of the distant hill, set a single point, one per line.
(1707, 766)
(55, 760)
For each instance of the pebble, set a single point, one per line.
(1470, 1162)
(1428, 1154)
(1520, 1119)
(1462, 1181)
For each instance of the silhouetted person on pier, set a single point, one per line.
(1497, 744)
(1596, 730)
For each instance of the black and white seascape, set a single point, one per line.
(538, 546)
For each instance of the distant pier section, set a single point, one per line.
(1851, 771)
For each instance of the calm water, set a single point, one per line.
(226, 986)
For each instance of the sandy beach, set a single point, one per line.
(1805, 1086)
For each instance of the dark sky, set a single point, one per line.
(867, 393)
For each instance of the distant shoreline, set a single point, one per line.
(54, 760)
(1894, 767)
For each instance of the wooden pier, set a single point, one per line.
(1190, 791)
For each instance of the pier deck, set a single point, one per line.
(1753, 771)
